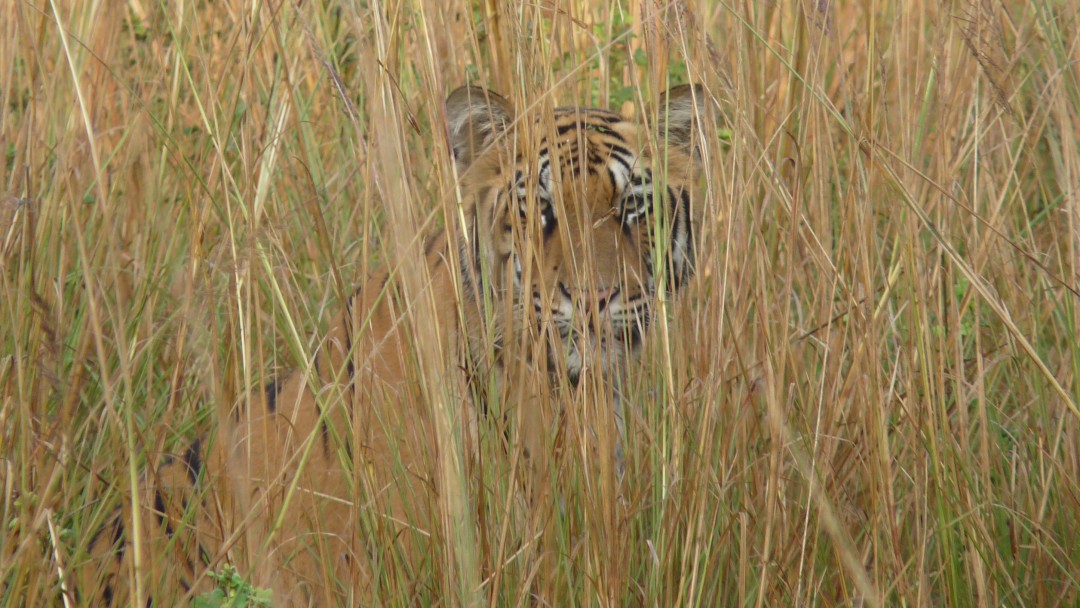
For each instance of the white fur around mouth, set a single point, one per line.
(590, 350)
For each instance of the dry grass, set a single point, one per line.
(869, 393)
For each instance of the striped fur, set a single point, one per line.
(570, 229)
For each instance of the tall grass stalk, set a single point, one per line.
(868, 393)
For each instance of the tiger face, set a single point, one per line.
(574, 222)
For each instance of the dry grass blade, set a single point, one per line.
(866, 394)
(984, 291)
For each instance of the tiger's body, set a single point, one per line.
(570, 229)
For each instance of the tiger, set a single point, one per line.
(571, 223)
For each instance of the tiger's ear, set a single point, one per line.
(680, 114)
(475, 117)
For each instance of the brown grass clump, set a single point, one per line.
(867, 395)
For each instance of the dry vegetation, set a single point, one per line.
(869, 393)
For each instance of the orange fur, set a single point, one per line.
(553, 272)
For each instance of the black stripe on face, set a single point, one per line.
(595, 161)
(614, 180)
(688, 226)
(646, 257)
(628, 230)
(609, 140)
(566, 128)
(681, 230)
(617, 148)
(575, 166)
(477, 265)
(633, 333)
(620, 155)
(600, 115)
(674, 265)
(549, 223)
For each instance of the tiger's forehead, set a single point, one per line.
(569, 156)
(581, 145)
(574, 128)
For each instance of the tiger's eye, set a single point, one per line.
(635, 206)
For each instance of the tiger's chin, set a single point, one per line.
(603, 354)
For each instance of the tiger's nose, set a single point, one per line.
(601, 297)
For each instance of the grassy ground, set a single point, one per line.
(869, 394)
